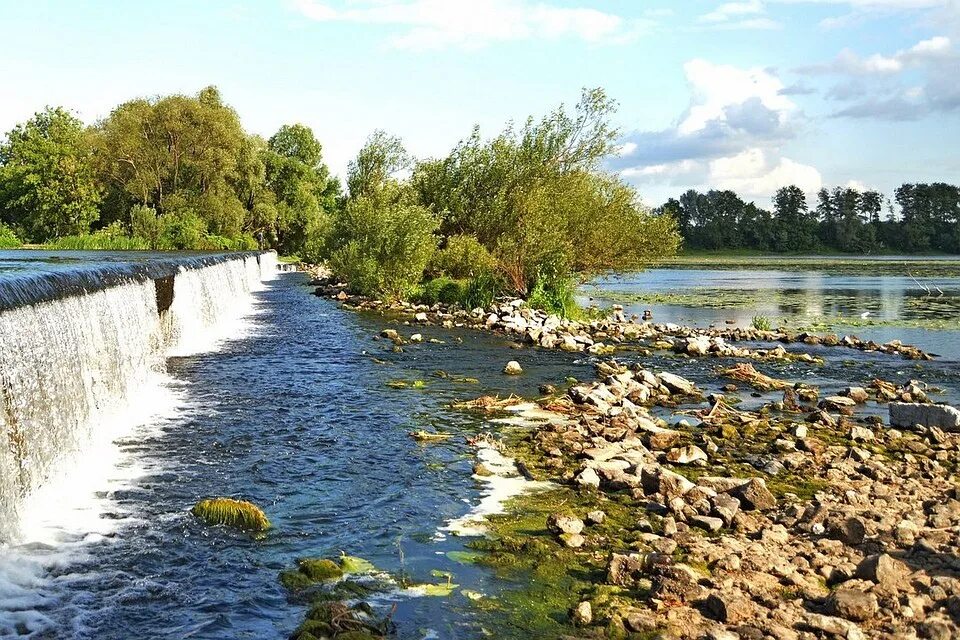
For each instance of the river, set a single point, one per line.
(298, 413)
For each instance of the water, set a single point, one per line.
(290, 406)
(810, 294)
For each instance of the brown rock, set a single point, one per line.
(885, 571)
(755, 495)
(852, 604)
(731, 607)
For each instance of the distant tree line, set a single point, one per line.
(925, 218)
(176, 172)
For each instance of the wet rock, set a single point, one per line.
(908, 414)
(857, 394)
(852, 604)
(837, 403)
(560, 524)
(513, 368)
(390, 334)
(676, 384)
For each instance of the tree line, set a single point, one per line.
(525, 212)
(920, 218)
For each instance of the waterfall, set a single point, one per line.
(68, 363)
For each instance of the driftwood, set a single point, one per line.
(744, 372)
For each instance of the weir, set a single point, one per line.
(77, 342)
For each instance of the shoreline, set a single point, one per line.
(652, 529)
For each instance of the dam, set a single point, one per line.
(81, 333)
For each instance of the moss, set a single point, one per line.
(320, 569)
(239, 514)
(294, 580)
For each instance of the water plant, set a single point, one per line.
(239, 514)
(761, 323)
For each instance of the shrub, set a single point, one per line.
(8, 239)
(443, 290)
(481, 291)
(462, 257)
(110, 238)
(553, 290)
(383, 245)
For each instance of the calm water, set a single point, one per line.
(297, 416)
(703, 297)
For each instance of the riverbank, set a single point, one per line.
(743, 519)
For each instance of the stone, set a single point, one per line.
(421, 317)
(661, 439)
(390, 334)
(417, 337)
(850, 531)
(908, 414)
(852, 604)
(707, 523)
(755, 495)
(728, 607)
(885, 570)
(623, 570)
(596, 517)
(690, 454)
(861, 434)
(836, 403)
(832, 625)
(559, 524)
(656, 479)
(513, 368)
(676, 384)
(857, 394)
(572, 540)
(588, 478)
(582, 614)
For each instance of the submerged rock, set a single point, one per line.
(239, 514)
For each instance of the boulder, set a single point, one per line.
(513, 368)
(754, 495)
(676, 384)
(729, 607)
(852, 604)
(691, 454)
(886, 571)
(560, 524)
(582, 614)
(588, 478)
(908, 414)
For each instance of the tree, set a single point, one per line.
(378, 162)
(795, 229)
(48, 187)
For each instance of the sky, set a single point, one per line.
(747, 95)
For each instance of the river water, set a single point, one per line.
(296, 413)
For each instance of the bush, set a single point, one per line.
(762, 323)
(383, 245)
(462, 257)
(481, 291)
(8, 239)
(110, 238)
(553, 290)
(443, 290)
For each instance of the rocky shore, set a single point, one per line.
(803, 518)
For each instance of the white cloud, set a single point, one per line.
(436, 24)
(729, 137)
(738, 15)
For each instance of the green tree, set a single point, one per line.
(48, 187)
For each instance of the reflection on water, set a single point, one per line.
(703, 297)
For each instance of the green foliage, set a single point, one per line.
(462, 257)
(553, 290)
(8, 239)
(531, 194)
(239, 514)
(320, 569)
(111, 238)
(444, 290)
(376, 165)
(47, 183)
(762, 323)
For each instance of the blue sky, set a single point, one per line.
(749, 95)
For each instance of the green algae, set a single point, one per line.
(354, 565)
(238, 514)
(320, 569)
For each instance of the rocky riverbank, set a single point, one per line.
(805, 517)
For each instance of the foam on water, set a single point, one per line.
(76, 375)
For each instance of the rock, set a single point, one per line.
(690, 454)
(676, 384)
(728, 607)
(572, 540)
(908, 414)
(588, 478)
(480, 469)
(559, 524)
(857, 394)
(656, 479)
(421, 317)
(755, 495)
(513, 368)
(342, 296)
(623, 570)
(832, 625)
(416, 338)
(835, 403)
(695, 345)
(707, 523)
(861, 434)
(582, 614)
(852, 604)
(390, 334)
(660, 438)
(596, 517)
(885, 571)
(850, 531)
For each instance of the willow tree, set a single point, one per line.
(538, 199)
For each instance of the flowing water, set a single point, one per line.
(296, 410)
